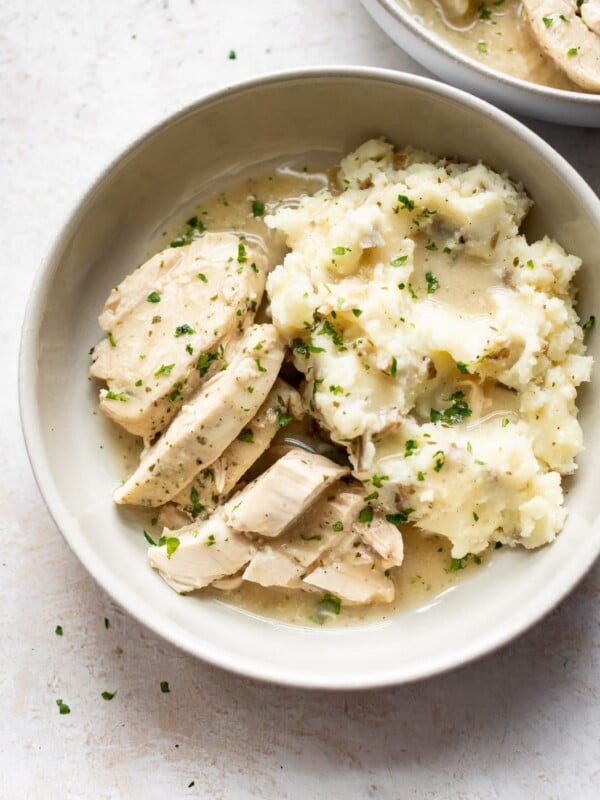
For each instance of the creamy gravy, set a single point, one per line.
(428, 569)
(504, 42)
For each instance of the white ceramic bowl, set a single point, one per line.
(448, 63)
(204, 148)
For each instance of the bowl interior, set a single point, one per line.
(206, 147)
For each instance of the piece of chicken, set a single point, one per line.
(208, 423)
(569, 33)
(354, 570)
(198, 554)
(277, 497)
(292, 554)
(214, 484)
(383, 537)
(169, 324)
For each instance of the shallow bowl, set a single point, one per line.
(206, 147)
(448, 63)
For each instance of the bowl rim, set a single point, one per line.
(404, 17)
(556, 589)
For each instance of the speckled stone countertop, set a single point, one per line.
(79, 79)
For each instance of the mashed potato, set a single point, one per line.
(438, 345)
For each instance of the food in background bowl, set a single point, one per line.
(428, 353)
(551, 42)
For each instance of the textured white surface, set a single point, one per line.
(78, 80)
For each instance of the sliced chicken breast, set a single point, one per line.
(568, 32)
(275, 499)
(354, 570)
(206, 425)
(198, 554)
(169, 325)
(354, 584)
(384, 538)
(291, 555)
(216, 482)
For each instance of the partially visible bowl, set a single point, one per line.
(203, 149)
(454, 67)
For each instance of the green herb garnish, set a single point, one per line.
(457, 412)
(63, 708)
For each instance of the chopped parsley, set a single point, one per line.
(329, 605)
(337, 526)
(210, 540)
(149, 539)
(393, 367)
(58, 630)
(399, 261)
(206, 360)
(458, 411)
(202, 277)
(242, 257)
(336, 389)
(138, 382)
(587, 326)
(475, 516)
(194, 225)
(63, 708)
(283, 418)
(400, 517)
(246, 436)
(547, 21)
(365, 514)
(462, 367)
(174, 395)
(197, 507)
(122, 396)
(439, 460)
(406, 202)
(315, 538)
(164, 369)
(153, 297)
(484, 11)
(431, 246)
(505, 422)
(258, 208)
(432, 283)
(482, 47)
(372, 496)
(410, 446)
(572, 51)
(232, 55)
(340, 251)
(327, 329)
(111, 339)
(304, 348)
(164, 687)
(378, 480)
(259, 366)
(461, 563)
(172, 543)
(108, 695)
(182, 330)
(357, 312)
